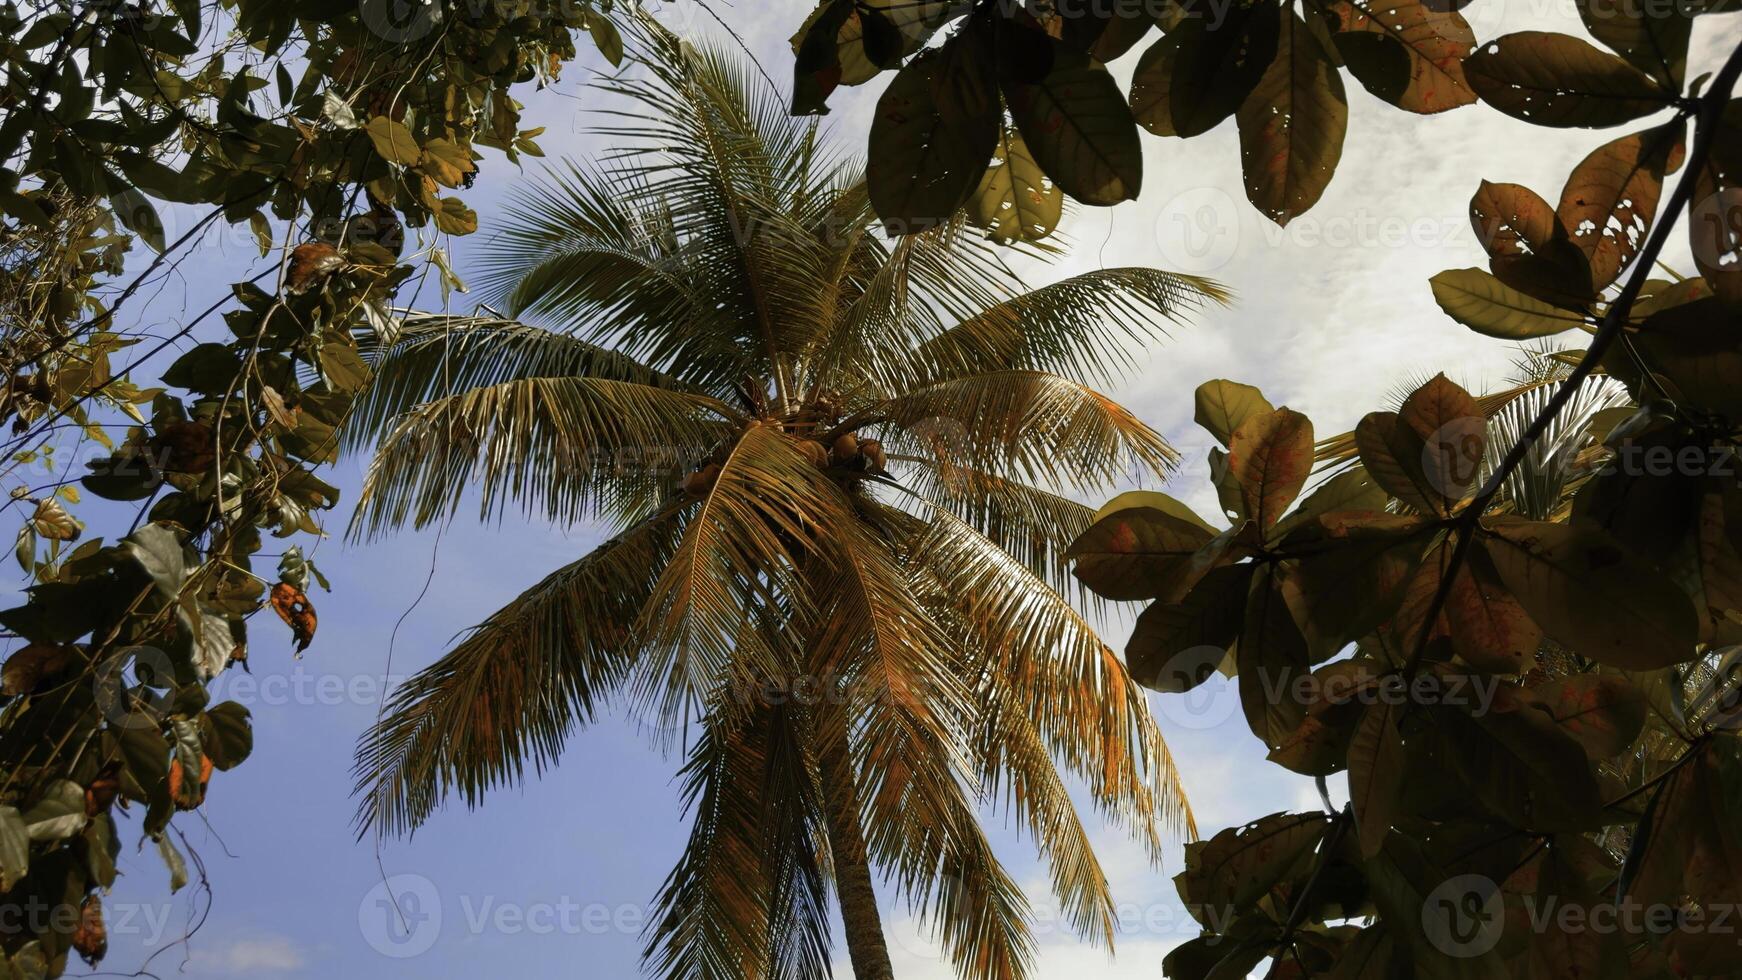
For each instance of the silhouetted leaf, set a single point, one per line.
(1556, 80)
(935, 129)
(1589, 594)
(1078, 126)
(1292, 125)
(1409, 53)
(1478, 300)
(1222, 53)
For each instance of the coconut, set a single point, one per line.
(872, 450)
(814, 451)
(846, 447)
(701, 480)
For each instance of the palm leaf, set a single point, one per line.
(564, 448)
(507, 697)
(1023, 425)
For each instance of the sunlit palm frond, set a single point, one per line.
(923, 830)
(504, 700)
(1019, 776)
(711, 919)
(1083, 327)
(1538, 488)
(1033, 525)
(1093, 717)
(594, 254)
(1024, 425)
(564, 448)
(435, 356)
(731, 163)
(726, 604)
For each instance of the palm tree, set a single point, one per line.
(825, 456)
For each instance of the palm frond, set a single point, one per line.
(506, 698)
(1046, 657)
(725, 608)
(435, 356)
(1082, 327)
(1033, 525)
(564, 448)
(601, 257)
(1023, 425)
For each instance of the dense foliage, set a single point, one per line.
(1511, 621)
(339, 134)
(1005, 107)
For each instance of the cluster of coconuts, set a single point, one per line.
(853, 452)
(847, 452)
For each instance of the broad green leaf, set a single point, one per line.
(1589, 594)
(933, 134)
(455, 218)
(1271, 657)
(59, 814)
(606, 37)
(1240, 865)
(1271, 455)
(1221, 407)
(394, 141)
(138, 216)
(1408, 52)
(1292, 125)
(1453, 433)
(1078, 126)
(1611, 198)
(1476, 299)
(1157, 500)
(1556, 80)
(1138, 553)
(1016, 201)
(1692, 349)
(1392, 454)
(227, 735)
(1376, 773)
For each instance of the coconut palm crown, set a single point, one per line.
(836, 467)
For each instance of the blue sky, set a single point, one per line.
(552, 879)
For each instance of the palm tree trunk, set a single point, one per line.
(866, 945)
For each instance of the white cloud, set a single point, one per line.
(268, 954)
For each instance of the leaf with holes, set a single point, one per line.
(1529, 248)
(1556, 80)
(1015, 200)
(1611, 198)
(1292, 125)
